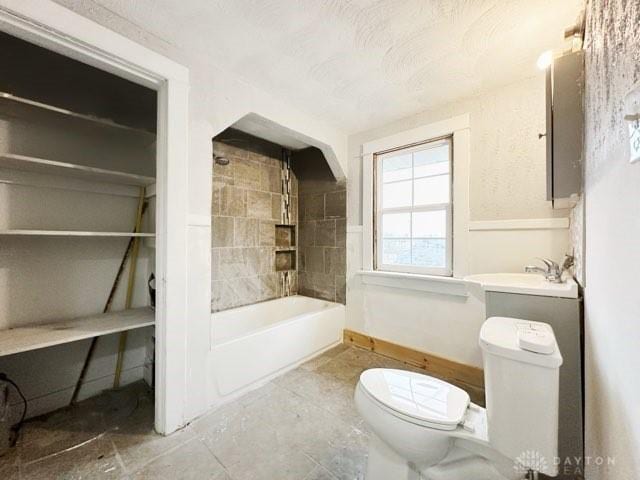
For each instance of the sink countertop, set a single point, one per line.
(525, 284)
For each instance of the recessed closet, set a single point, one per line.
(77, 223)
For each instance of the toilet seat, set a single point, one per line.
(416, 398)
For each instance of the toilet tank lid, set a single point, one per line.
(508, 337)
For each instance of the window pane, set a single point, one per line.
(396, 251)
(431, 190)
(396, 225)
(430, 224)
(429, 253)
(396, 168)
(431, 161)
(396, 194)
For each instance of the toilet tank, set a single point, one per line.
(521, 372)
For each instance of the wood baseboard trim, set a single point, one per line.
(460, 372)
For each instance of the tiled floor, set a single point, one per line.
(301, 426)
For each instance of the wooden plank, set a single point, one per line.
(54, 167)
(72, 233)
(434, 364)
(33, 337)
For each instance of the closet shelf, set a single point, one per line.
(53, 167)
(72, 233)
(25, 103)
(23, 339)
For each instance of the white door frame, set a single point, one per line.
(56, 28)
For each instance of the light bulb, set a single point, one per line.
(545, 60)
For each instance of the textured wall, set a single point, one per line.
(362, 63)
(246, 207)
(508, 169)
(323, 236)
(612, 228)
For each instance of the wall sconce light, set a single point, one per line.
(632, 116)
(545, 60)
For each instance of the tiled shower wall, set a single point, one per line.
(247, 204)
(322, 229)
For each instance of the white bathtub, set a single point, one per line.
(255, 343)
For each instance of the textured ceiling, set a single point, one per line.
(362, 63)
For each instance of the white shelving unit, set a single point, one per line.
(43, 171)
(71, 233)
(23, 105)
(33, 337)
(24, 163)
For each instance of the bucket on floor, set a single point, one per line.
(5, 419)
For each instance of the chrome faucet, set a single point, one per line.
(553, 272)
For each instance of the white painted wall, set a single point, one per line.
(507, 181)
(217, 99)
(612, 255)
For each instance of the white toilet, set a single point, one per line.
(425, 428)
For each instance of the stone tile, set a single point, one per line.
(245, 232)
(313, 207)
(283, 466)
(350, 459)
(271, 179)
(217, 186)
(223, 296)
(335, 205)
(191, 461)
(94, 459)
(60, 430)
(341, 233)
(307, 233)
(341, 288)
(231, 264)
(222, 231)
(269, 286)
(247, 174)
(138, 443)
(314, 259)
(320, 473)
(233, 201)
(258, 204)
(317, 285)
(276, 207)
(335, 261)
(267, 235)
(316, 362)
(326, 233)
(10, 465)
(248, 289)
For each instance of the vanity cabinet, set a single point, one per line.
(564, 135)
(565, 317)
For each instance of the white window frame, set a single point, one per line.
(379, 265)
(458, 129)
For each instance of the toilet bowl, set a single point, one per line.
(426, 428)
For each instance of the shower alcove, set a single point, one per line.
(278, 253)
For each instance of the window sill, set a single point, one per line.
(412, 281)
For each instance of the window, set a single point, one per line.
(413, 208)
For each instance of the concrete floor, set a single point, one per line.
(301, 426)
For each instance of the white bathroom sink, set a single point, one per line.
(525, 284)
